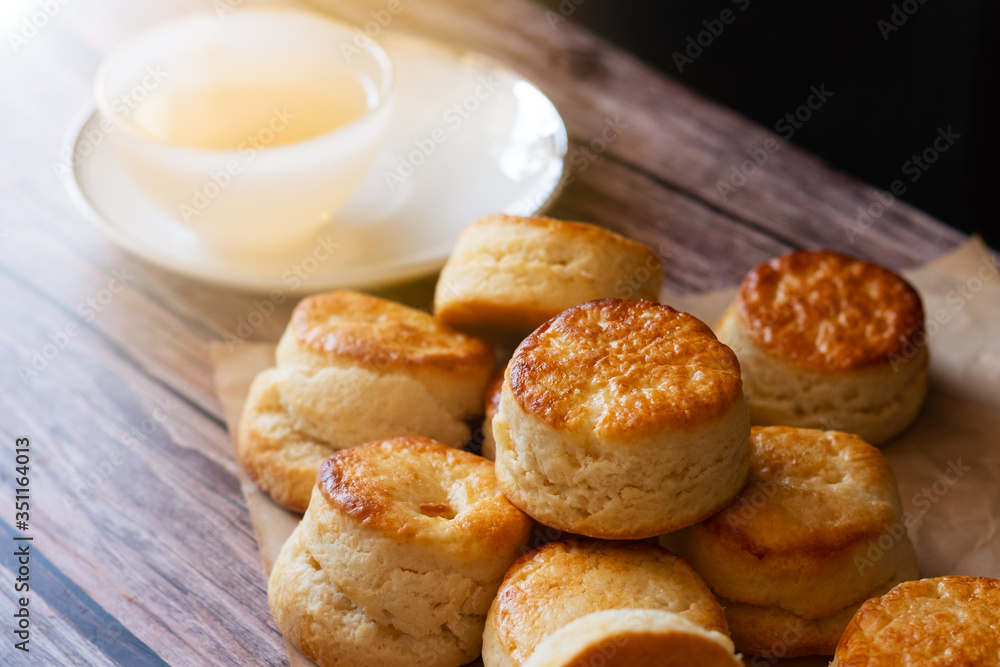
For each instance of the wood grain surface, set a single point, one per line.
(143, 553)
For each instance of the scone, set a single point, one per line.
(828, 341)
(492, 404)
(816, 531)
(397, 558)
(622, 420)
(634, 638)
(942, 622)
(560, 582)
(352, 368)
(511, 274)
(773, 632)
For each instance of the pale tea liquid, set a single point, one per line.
(235, 115)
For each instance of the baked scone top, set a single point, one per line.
(418, 490)
(379, 333)
(827, 312)
(949, 621)
(592, 233)
(809, 491)
(561, 581)
(511, 274)
(624, 369)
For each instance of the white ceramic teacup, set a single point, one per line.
(257, 198)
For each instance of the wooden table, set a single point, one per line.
(143, 552)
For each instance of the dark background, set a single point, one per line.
(892, 89)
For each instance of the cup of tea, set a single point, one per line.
(252, 129)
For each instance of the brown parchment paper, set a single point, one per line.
(947, 464)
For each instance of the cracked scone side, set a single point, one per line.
(332, 630)
(581, 484)
(293, 421)
(353, 368)
(818, 529)
(622, 420)
(417, 537)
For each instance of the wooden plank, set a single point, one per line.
(689, 238)
(77, 631)
(162, 322)
(132, 498)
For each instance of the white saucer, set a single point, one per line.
(503, 152)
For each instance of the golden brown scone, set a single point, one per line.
(942, 622)
(493, 391)
(348, 329)
(278, 458)
(397, 558)
(828, 341)
(817, 529)
(560, 582)
(352, 368)
(773, 632)
(633, 638)
(622, 420)
(511, 274)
